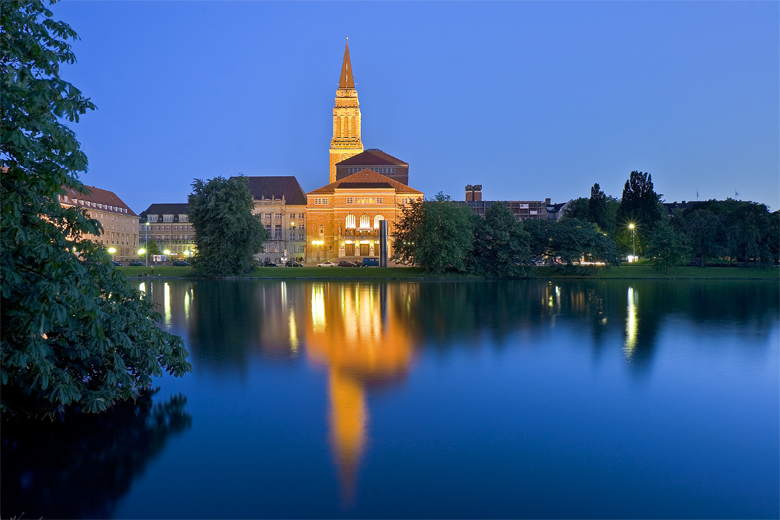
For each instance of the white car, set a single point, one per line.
(326, 264)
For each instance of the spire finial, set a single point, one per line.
(346, 80)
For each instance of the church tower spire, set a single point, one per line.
(346, 140)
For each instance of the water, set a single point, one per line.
(479, 399)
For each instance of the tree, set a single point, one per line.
(639, 204)
(577, 208)
(75, 334)
(597, 207)
(702, 229)
(435, 235)
(152, 248)
(569, 241)
(666, 247)
(227, 235)
(500, 245)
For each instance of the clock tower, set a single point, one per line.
(346, 119)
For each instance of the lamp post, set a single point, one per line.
(112, 252)
(633, 239)
(143, 251)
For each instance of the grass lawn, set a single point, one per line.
(413, 273)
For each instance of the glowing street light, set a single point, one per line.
(112, 252)
(632, 227)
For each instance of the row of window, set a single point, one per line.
(96, 205)
(365, 221)
(377, 169)
(320, 202)
(160, 227)
(166, 218)
(363, 200)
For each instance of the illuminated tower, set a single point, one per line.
(346, 119)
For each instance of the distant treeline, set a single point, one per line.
(596, 231)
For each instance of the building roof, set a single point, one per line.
(346, 80)
(277, 187)
(167, 208)
(110, 201)
(372, 157)
(366, 179)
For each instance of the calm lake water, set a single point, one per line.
(515, 399)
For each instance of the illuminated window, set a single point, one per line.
(376, 221)
(365, 221)
(350, 221)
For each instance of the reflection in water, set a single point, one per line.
(347, 335)
(631, 323)
(81, 467)
(363, 335)
(167, 300)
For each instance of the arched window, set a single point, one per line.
(350, 221)
(322, 230)
(365, 222)
(376, 221)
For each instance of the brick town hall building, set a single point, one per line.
(365, 187)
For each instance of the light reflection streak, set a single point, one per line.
(167, 302)
(318, 307)
(631, 323)
(293, 334)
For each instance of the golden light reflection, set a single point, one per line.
(167, 302)
(294, 343)
(318, 307)
(359, 334)
(631, 323)
(142, 287)
(187, 301)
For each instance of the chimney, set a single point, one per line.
(547, 201)
(473, 192)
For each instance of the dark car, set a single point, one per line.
(268, 263)
(136, 263)
(370, 261)
(346, 263)
(180, 263)
(291, 263)
(114, 262)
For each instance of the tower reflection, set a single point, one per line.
(357, 333)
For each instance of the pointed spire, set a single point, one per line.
(346, 80)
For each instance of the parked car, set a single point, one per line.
(181, 263)
(370, 261)
(292, 263)
(327, 263)
(136, 263)
(346, 263)
(114, 262)
(268, 263)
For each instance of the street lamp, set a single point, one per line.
(112, 251)
(142, 251)
(633, 239)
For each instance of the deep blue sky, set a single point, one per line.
(529, 99)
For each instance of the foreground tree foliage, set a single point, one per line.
(74, 333)
(227, 235)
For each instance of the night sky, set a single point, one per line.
(530, 99)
